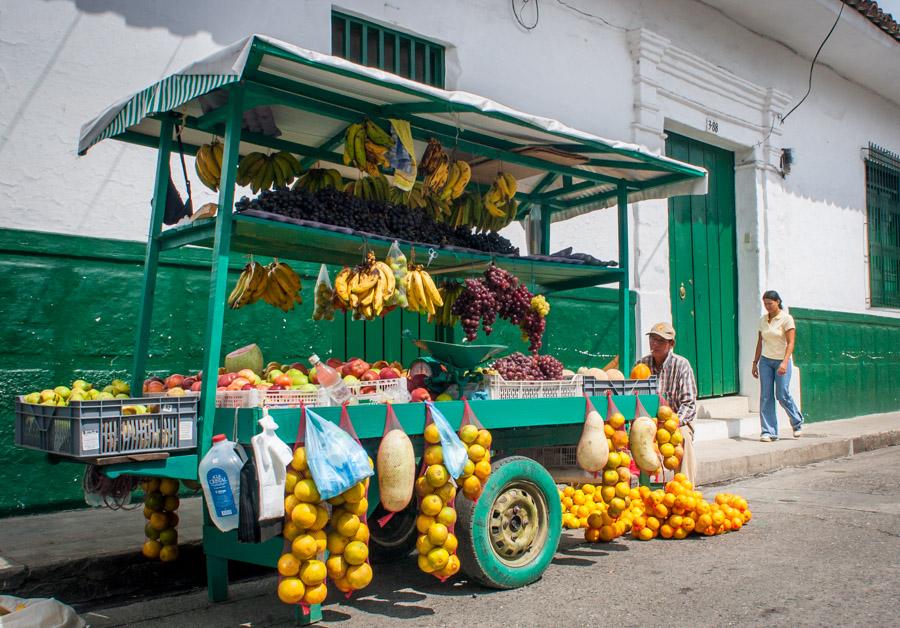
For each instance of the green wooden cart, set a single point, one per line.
(509, 536)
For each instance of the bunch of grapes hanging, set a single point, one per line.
(499, 293)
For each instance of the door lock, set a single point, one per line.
(682, 292)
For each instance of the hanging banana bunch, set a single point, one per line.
(370, 188)
(500, 202)
(208, 164)
(365, 146)
(316, 179)
(250, 286)
(261, 171)
(450, 291)
(414, 199)
(277, 284)
(433, 157)
(422, 294)
(365, 289)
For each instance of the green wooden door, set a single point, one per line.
(703, 269)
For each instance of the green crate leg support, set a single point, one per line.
(304, 619)
(215, 316)
(624, 293)
(216, 578)
(152, 255)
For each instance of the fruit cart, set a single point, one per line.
(507, 537)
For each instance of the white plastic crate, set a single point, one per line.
(271, 398)
(380, 391)
(499, 388)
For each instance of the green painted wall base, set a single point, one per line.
(70, 306)
(849, 363)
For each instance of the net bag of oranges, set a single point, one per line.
(478, 448)
(444, 458)
(348, 531)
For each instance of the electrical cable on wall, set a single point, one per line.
(518, 13)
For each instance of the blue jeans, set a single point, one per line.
(769, 379)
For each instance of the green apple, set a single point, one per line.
(350, 379)
(273, 374)
(308, 388)
(298, 378)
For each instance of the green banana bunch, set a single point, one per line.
(450, 291)
(365, 146)
(370, 188)
(316, 179)
(261, 172)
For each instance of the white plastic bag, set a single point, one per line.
(272, 457)
(335, 460)
(454, 450)
(38, 613)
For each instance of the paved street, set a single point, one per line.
(823, 549)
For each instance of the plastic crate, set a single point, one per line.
(106, 427)
(499, 388)
(594, 387)
(271, 398)
(380, 391)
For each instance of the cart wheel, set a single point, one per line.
(509, 536)
(398, 536)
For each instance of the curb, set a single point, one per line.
(814, 450)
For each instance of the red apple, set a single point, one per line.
(196, 386)
(300, 367)
(367, 390)
(380, 364)
(283, 380)
(421, 394)
(334, 363)
(358, 368)
(247, 386)
(388, 373)
(276, 387)
(369, 376)
(188, 382)
(238, 383)
(199, 376)
(225, 379)
(313, 376)
(174, 381)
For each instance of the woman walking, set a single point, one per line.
(772, 366)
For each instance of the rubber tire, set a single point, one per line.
(401, 534)
(476, 554)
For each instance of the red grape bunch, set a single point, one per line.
(476, 303)
(519, 367)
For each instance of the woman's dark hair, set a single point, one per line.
(771, 295)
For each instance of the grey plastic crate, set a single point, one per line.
(103, 427)
(595, 387)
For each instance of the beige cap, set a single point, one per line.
(665, 330)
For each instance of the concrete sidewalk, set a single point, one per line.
(86, 556)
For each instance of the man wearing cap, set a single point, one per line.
(677, 385)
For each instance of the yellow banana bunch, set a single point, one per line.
(500, 202)
(365, 290)
(434, 156)
(208, 164)
(261, 171)
(250, 286)
(366, 145)
(457, 180)
(450, 291)
(422, 294)
(437, 178)
(316, 179)
(282, 286)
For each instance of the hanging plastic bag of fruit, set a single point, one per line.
(397, 262)
(396, 466)
(436, 490)
(301, 568)
(336, 460)
(593, 449)
(323, 307)
(478, 447)
(348, 533)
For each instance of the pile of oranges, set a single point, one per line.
(437, 544)
(677, 510)
(302, 570)
(478, 466)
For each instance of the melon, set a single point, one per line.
(598, 374)
(567, 374)
(396, 465)
(615, 375)
(583, 370)
(593, 449)
(642, 442)
(249, 357)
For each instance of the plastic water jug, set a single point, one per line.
(220, 476)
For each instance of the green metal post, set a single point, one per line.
(624, 293)
(215, 316)
(151, 260)
(545, 230)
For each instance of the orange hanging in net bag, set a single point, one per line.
(478, 448)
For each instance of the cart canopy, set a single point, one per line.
(313, 97)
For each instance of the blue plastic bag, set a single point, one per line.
(455, 454)
(335, 459)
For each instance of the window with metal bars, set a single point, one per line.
(369, 44)
(883, 216)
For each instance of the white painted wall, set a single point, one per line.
(645, 67)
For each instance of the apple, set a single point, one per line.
(380, 364)
(421, 394)
(283, 380)
(196, 386)
(369, 376)
(309, 388)
(220, 388)
(351, 379)
(388, 373)
(153, 385)
(274, 374)
(238, 383)
(357, 368)
(225, 379)
(174, 381)
(300, 367)
(247, 386)
(334, 363)
(313, 376)
(276, 387)
(188, 382)
(444, 397)
(199, 376)
(249, 375)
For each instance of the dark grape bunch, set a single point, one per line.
(521, 367)
(334, 207)
(499, 294)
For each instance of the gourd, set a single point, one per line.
(396, 470)
(615, 375)
(593, 449)
(642, 442)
